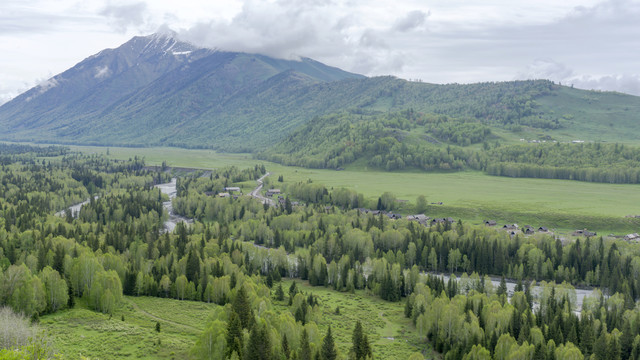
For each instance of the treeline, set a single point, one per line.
(481, 324)
(29, 150)
(593, 162)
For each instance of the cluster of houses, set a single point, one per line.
(389, 214)
(422, 219)
(514, 229)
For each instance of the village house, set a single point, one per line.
(393, 216)
(490, 222)
(528, 230)
(442, 221)
(231, 189)
(224, 194)
(584, 232)
(632, 237)
(272, 192)
(420, 218)
(510, 227)
(543, 229)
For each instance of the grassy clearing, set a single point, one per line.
(469, 195)
(80, 331)
(391, 335)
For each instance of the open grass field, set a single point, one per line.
(470, 195)
(80, 331)
(391, 335)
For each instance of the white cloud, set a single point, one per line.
(545, 69)
(101, 72)
(124, 16)
(589, 41)
(412, 20)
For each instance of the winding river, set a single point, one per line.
(170, 189)
(535, 290)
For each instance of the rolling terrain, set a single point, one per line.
(159, 91)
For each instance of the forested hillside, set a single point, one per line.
(412, 140)
(157, 90)
(238, 251)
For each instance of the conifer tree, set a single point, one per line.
(305, 347)
(279, 293)
(361, 348)
(243, 309)
(234, 334)
(259, 346)
(328, 351)
(285, 347)
(502, 289)
(193, 266)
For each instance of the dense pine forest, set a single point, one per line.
(238, 251)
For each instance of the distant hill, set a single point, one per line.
(157, 90)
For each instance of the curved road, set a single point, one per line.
(256, 192)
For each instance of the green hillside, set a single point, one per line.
(412, 140)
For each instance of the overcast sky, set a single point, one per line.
(591, 44)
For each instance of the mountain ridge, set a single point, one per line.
(156, 90)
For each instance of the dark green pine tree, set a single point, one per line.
(328, 350)
(234, 335)
(600, 347)
(635, 352)
(58, 259)
(243, 309)
(586, 338)
(572, 337)
(626, 340)
(408, 307)
(285, 347)
(259, 346)
(193, 266)
(502, 288)
(279, 293)
(305, 348)
(539, 353)
(357, 338)
(287, 206)
(614, 352)
(366, 347)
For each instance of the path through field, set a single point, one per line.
(139, 309)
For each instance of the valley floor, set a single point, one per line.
(562, 205)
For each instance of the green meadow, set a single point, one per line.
(82, 332)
